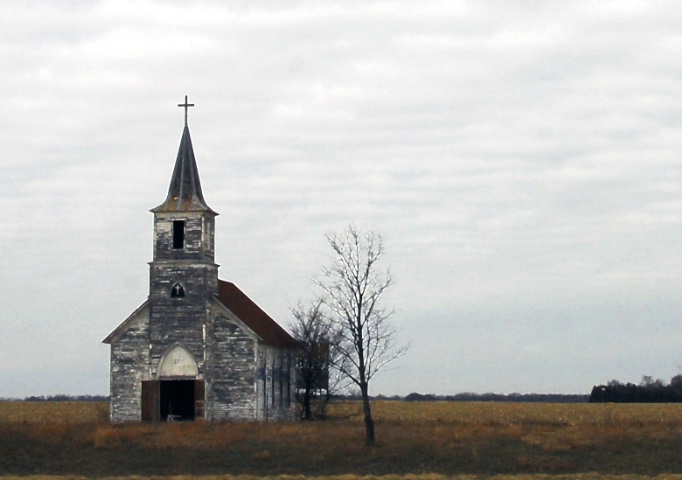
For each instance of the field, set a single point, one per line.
(417, 440)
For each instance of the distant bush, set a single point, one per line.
(648, 391)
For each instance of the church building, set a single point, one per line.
(198, 347)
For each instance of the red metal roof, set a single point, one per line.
(252, 315)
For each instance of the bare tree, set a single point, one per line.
(316, 338)
(353, 287)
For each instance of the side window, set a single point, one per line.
(287, 380)
(177, 291)
(178, 234)
(272, 381)
(281, 379)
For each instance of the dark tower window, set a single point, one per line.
(177, 291)
(178, 234)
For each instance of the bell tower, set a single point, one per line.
(183, 275)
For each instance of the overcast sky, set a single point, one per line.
(521, 160)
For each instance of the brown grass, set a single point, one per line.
(486, 440)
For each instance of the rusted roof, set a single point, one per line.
(255, 318)
(184, 193)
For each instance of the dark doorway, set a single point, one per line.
(168, 400)
(177, 400)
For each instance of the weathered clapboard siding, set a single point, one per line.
(129, 366)
(233, 369)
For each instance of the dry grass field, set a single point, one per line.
(414, 440)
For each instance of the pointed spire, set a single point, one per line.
(184, 193)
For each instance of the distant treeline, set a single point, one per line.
(648, 391)
(61, 398)
(412, 397)
(495, 397)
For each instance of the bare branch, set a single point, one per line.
(353, 287)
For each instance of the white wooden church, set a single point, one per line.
(198, 347)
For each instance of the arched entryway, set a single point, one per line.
(177, 395)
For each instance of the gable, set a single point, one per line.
(140, 314)
(253, 316)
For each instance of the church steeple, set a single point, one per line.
(184, 223)
(184, 193)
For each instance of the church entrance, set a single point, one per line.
(172, 400)
(176, 400)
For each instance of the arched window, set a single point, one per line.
(177, 291)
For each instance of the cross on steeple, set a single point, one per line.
(186, 105)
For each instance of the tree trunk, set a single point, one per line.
(307, 413)
(323, 408)
(367, 409)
